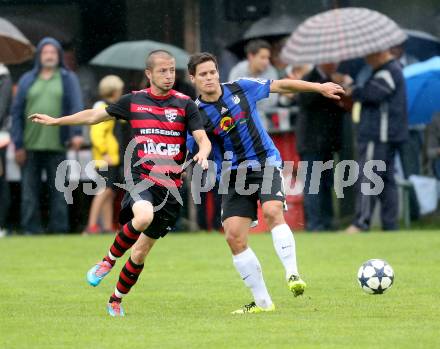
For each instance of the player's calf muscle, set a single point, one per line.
(141, 248)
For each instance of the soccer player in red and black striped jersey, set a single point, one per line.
(160, 118)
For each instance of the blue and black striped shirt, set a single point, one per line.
(234, 125)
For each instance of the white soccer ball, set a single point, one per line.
(375, 276)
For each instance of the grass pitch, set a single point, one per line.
(189, 286)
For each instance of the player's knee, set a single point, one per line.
(236, 241)
(144, 221)
(273, 214)
(143, 216)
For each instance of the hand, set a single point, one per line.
(43, 119)
(201, 159)
(20, 157)
(108, 159)
(76, 142)
(342, 79)
(331, 90)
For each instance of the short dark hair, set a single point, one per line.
(199, 58)
(253, 46)
(149, 62)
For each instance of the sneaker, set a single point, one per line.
(98, 272)
(296, 285)
(115, 309)
(252, 308)
(352, 229)
(92, 230)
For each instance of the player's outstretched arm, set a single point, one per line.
(85, 117)
(328, 89)
(204, 144)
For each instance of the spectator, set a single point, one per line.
(5, 99)
(52, 89)
(105, 150)
(433, 144)
(295, 73)
(319, 137)
(257, 66)
(411, 150)
(382, 129)
(275, 57)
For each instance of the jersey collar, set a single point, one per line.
(221, 96)
(156, 96)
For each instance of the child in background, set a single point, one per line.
(105, 151)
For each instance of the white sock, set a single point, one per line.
(249, 268)
(113, 258)
(119, 294)
(284, 244)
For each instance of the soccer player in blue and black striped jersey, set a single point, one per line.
(231, 120)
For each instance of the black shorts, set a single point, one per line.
(270, 187)
(164, 219)
(111, 176)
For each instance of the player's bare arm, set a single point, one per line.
(328, 89)
(204, 144)
(85, 117)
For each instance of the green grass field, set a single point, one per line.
(189, 287)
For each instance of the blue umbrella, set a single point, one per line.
(423, 86)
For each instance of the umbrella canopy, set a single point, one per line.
(132, 54)
(36, 29)
(268, 28)
(421, 45)
(341, 34)
(14, 47)
(423, 86)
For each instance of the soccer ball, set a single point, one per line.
(375, 276)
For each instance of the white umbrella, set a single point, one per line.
(341, 34)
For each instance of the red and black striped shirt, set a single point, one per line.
(159, 125)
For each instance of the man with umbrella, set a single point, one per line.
(351, 32)
(383, 127)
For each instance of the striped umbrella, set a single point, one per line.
(341, 34)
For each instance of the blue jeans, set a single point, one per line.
(36, 162)
(318, 208)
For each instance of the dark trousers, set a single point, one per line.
(4, 189)
(410, 153)
(31, 172)
(388, 197)
(318, 208)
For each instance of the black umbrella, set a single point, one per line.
(35, 30)
(270, 28)
(421, 45)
